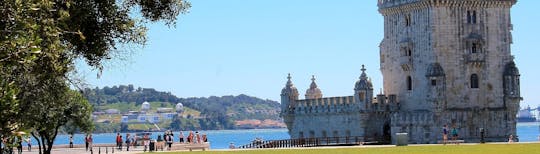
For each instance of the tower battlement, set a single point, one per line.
(390, 4)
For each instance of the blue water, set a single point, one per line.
(220, 139)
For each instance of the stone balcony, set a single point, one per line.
(406, 62)
(475, 58)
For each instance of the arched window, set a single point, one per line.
(471, 17)
(474, 48)
(409, 83)
(474, 81)
(362, 96)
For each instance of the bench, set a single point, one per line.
(451, 141)
(196, 147)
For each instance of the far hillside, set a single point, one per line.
(207, 113)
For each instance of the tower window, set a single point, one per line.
(433, 82)
(474, 48)
(471, 17)
(362, 96)
(409, 52)
(409, 83)
(474, 81)
(407, 20)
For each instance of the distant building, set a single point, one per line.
(153, 118)
(142, 118)
(145, 106)
(112, 111)
(125, 119)
(179, 108)
(168, 116)
(164, 110)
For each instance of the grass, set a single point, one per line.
(523, 148)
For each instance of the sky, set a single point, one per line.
(248, 47)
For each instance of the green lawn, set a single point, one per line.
(532, 148)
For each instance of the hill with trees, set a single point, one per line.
(207, 113)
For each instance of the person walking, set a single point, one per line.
(181, 137)
(29, 143)
(90, 143)
(146, 142)
(118, 141)
(19, 145)
(71, 141)
(128, 141)
(445, 134)
(86, 141)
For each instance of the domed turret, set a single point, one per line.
(313, 92)
(145, 106)
(289, 94)
(179, 108)
(363, 83)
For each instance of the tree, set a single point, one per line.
(40, 40)
(67, 108)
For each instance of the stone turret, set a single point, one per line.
(289, 94)
(313, 92)
(363, 89)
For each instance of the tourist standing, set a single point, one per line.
(511, 139)
(231, 146)
(146, 141)
(128, 141)
(445, 134)
(198, 137)
(121, 142)
(204, 138)
(181, 137)
(455, 134)
(19, 144)
(118, 141)
(90, 142)
(190, 137)
(29, 143)
(159, 143)
(86, 141)
(71, 141)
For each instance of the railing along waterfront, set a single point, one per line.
(307, 142)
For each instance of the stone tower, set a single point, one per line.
(450, 61)
(289, 95)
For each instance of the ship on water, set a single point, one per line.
(526, 115)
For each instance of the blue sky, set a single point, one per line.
(247, 47)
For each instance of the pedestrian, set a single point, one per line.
(204, 138)
(455, 134)
(170, 141)
(198, 137)
(90, 143)
(445, 134)
(511, 139)
(181, 137)
(231, 146)
(29, 143)
(86, 141)
(120, 143)
(146, 142)
(71, 141)
(19, 145)
(118, 140)
(159, 143)
(128, 141)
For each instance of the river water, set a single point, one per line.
(220, 139)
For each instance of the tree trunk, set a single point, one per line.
(37, 139)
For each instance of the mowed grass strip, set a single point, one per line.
(522, 148)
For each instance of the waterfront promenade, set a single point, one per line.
(464, 146)
(110, 148)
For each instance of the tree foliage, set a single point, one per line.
(40, 40)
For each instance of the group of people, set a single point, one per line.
(453, 133)
(162, 142)
(19, 143)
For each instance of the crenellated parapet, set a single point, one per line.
(396, 6)
(325, 105)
